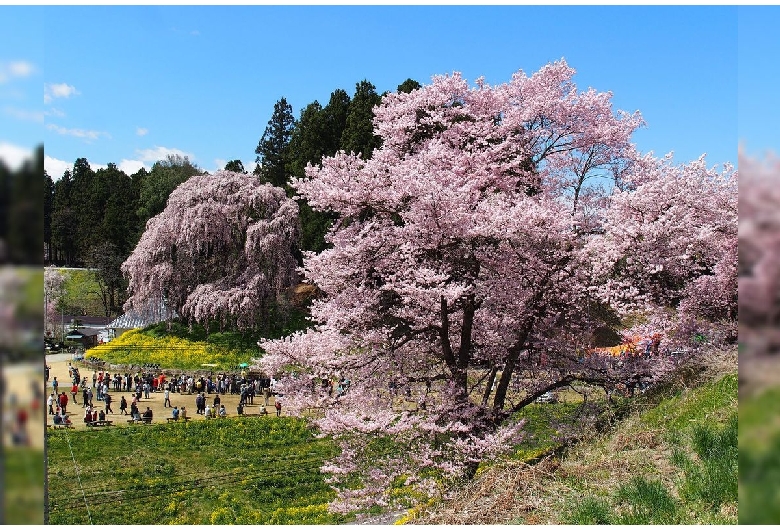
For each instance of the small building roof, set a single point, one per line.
(82, 332)
(152, 313)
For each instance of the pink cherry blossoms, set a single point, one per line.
(476, 253)
(759, 267)
(220, 251)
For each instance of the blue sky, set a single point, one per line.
(759, 79)
(131, 84)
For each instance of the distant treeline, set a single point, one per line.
(21, 219)
(94, 218)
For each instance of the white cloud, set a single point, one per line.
(195, 33)
(14, 69)
(141, 131)
(161, 153)
(219, 164)
(58, 90)
(131, 166)
(55, 168)
(24, 115)
(13, 156)
(78, 133)
(21, 68)
(55, 113)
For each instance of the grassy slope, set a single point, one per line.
(759, 457)
(598, 480)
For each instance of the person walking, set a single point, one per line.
(167, 394)
(73, 391)
(55, 385)
(50, 402)
(107, 401)
(278, 406)
(123, 406)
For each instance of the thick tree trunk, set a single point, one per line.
(459, 374)
(509, 365)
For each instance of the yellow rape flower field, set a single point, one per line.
(137, 348)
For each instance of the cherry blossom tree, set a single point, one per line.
(669, 240)
(461, 274)
(759, 266)
(222, 250)
(53, 290)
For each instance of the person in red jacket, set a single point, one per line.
(64, 402)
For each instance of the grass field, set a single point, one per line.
(230, 470)
(23, 486)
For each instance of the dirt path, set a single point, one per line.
(19, 380)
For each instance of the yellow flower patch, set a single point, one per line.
(137, 348)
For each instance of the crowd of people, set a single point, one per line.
(143, 384)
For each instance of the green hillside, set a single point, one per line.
(670, 457)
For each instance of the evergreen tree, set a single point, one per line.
(272, 150)
(48, 210)
(307, 140)
(358, 136)
(136, 183)
(25, 223)
(86, 200)
(63, 222)
(335, 115)
(235, 166)
(408, 85)
(119, 221)
(156, 187)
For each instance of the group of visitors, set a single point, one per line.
(242, 384)
(92, 414)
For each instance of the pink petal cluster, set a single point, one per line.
(759, 255)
